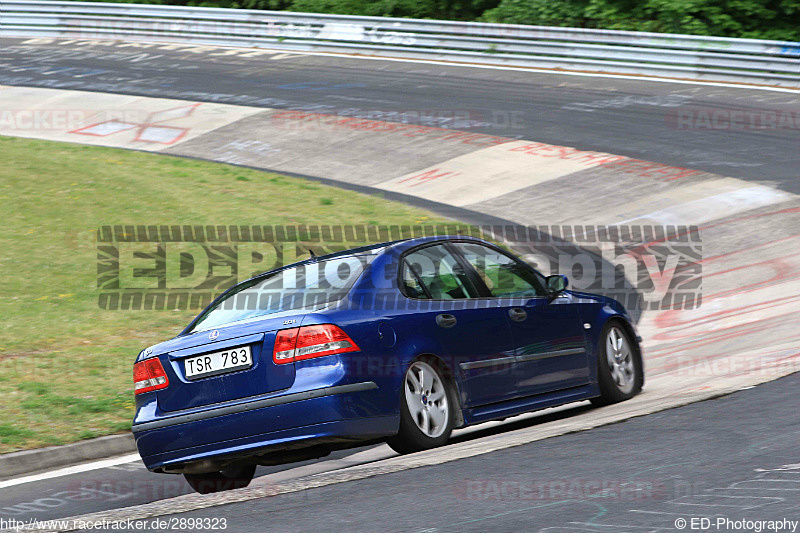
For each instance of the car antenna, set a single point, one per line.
(311, 252)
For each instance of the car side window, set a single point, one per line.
(411, 285)
(439, 272)
(502, 275)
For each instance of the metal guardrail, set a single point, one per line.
(623, 52)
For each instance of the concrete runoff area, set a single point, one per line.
(111, 120)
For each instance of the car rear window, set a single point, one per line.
(303, 286)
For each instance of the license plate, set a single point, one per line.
(212, 364)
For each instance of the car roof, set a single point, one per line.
(397, 245)
(411, 243)
(400, 245)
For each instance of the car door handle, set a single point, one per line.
(445, 320)
(517, 315)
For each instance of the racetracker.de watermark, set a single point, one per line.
(732, 119)
(415, 125)
(389, 120)
(555, 490)
(60, 119)
(160, 267)
(153, 524)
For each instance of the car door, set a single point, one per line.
(550, 347)
(474, 336)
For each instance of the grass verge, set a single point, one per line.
(65, 364)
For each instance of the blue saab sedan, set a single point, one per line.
(399, 342)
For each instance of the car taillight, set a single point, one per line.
(149, 375)
(307, 342)
(285, 343)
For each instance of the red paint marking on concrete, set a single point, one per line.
(430, 175)
(781, 275)
(678, 336)
(762, 245)
(647, 169)
(671, 318)
(298, 120)
(570, 154)
(181, 133)
(713, 317)
(756, 326)
(627, 165)
(190, 109)
(685, 363)
(711, 259)
(738, 219)
(152, 121)
(719, 335)
(725, 255)
(662, 364)
(721, 316)
(86, 129)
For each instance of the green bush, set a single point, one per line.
(759, 19)
(434, 9)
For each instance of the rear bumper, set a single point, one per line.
(289, 421)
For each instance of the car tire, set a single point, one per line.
(233, 477)
(427, 409)
(619, 366)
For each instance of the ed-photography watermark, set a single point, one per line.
(724, 523)
(167, 267)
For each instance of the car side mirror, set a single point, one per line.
(556, 283)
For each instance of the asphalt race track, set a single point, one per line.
(734, 457)
(619, 116)
(639, 475)
(126, 484)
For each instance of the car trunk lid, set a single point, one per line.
(262, 376)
